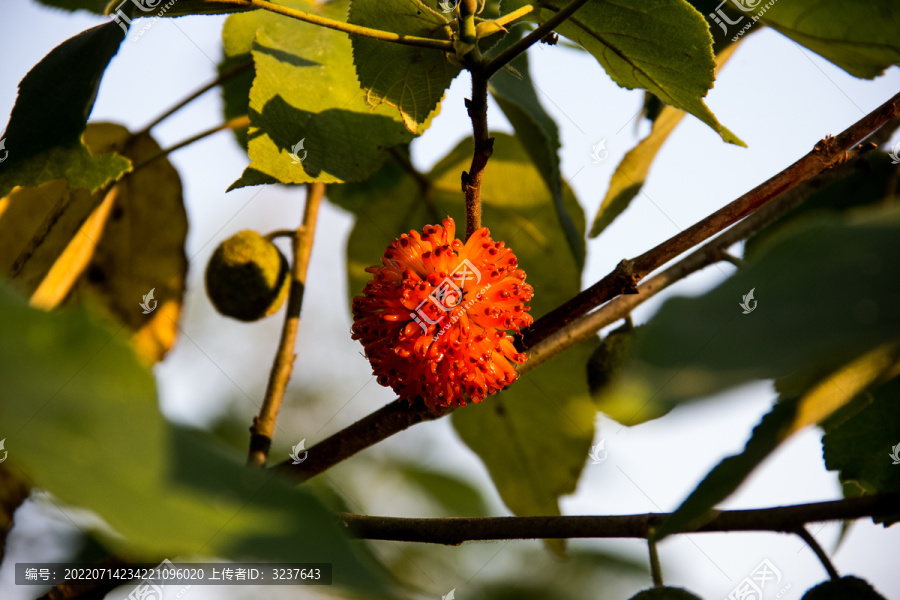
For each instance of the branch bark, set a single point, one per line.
(349, 28)
(263, 428)
(455, 531)
(826, 154)
(399, 415)
(484, 147)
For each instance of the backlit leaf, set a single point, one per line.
(662, 46)
(409, 78)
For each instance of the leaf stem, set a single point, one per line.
(505, 57)
(263, 428)
(514, 15)
(456, 530)
(655, 566)
(222, 78)
(820, 553)
(349, 28)
(235, 123)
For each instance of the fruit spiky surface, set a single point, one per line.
(434, 319)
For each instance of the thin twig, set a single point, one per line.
(456, 530)
(235, 123)
(505, 57)
(826, 154)
(377, 34)
(263, 428)
(222, 78)
(814, 545)
(655, 566)
(399, 415)
(484, 147)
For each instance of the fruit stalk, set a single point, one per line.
(263, 428)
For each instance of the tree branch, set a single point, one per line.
(399, 415)
(376, 34)
(817, 549)
(263, 428)
(235, 123)
(456, 530)
(532, 38)
(484, 147)
(826, 154)
(222, 78)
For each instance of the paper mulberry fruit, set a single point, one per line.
(247, 277)
(436, 315)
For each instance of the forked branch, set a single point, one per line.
(263, 428)
(398, 415)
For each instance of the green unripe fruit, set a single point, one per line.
(247, 277)
(665, 593)
(844, 588)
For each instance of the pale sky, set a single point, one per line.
(777, 96)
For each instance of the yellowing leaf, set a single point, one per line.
(113, 246)
(142, 245)
(36, 225)
(845, 384)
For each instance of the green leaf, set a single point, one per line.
(537, 131)
(544, 422)
(236, 92)
(87, 429)
(866, 181)
(455, 496)
(665, 593)
(408, 78)
(609, 357)
(94, 6)
(75, 164)
(630, 175)
(843, 588)
(696, 347)
(861, 448)
(835, 393)
(861, 37)
(306, 91)
(161, 8)
(729, 474)
(662, 46)
(43, 136)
